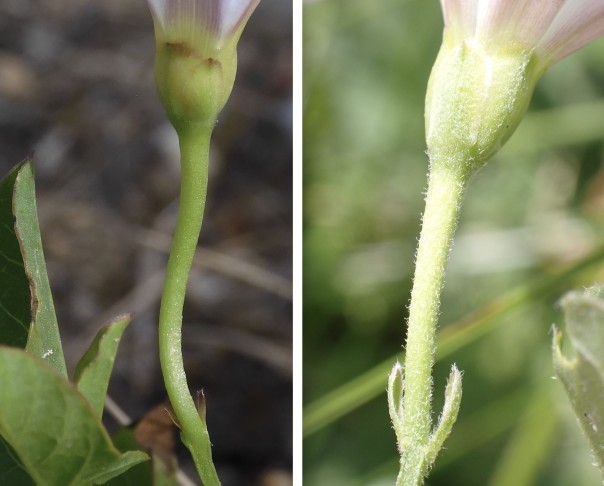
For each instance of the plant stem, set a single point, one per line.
(194, 151)
(446, 189)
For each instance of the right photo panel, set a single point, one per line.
(453, 249)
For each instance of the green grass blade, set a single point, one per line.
(564, 126)
(362, 389)
(529, 447)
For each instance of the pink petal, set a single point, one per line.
(523, 21)
(219, 18)
(578, 23)
(233, 12)
(460, 16)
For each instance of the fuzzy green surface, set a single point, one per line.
(582, 375)
(529, 215)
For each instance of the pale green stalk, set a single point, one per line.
(480, 87)
(477, 95)
(443, 203)
(194, 150)
(418, 443)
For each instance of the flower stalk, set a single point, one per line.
(418, 443)
(443, 204)
(195, 66)
(492, 55)
(194, 149)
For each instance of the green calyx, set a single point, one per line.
(194, 83)
(476, 97)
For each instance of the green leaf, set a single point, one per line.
(124, 463)
(141, 473)
(11, 470)
(154, 472)
(94, 369)
(583, 375)
(448, 416)
(43, 339)
(15, 309)
(51, 427)
(15, 313)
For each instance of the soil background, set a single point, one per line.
(76, 86)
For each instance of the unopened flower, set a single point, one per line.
(196, 57)
(493, 53)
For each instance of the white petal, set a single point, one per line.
(460, 16)
(578, 23)
(158, 10)
(217, 18)
(522, 21)
(232, 12)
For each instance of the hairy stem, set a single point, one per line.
(194, 151)
(446, 188)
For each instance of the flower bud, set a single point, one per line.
(196, 55)
(493, 54)
(475, 101)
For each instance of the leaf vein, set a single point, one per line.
(13, 317)
(11, 260)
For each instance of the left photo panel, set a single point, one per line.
(146, 242)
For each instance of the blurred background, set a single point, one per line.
(531, 229)
(76, 86)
